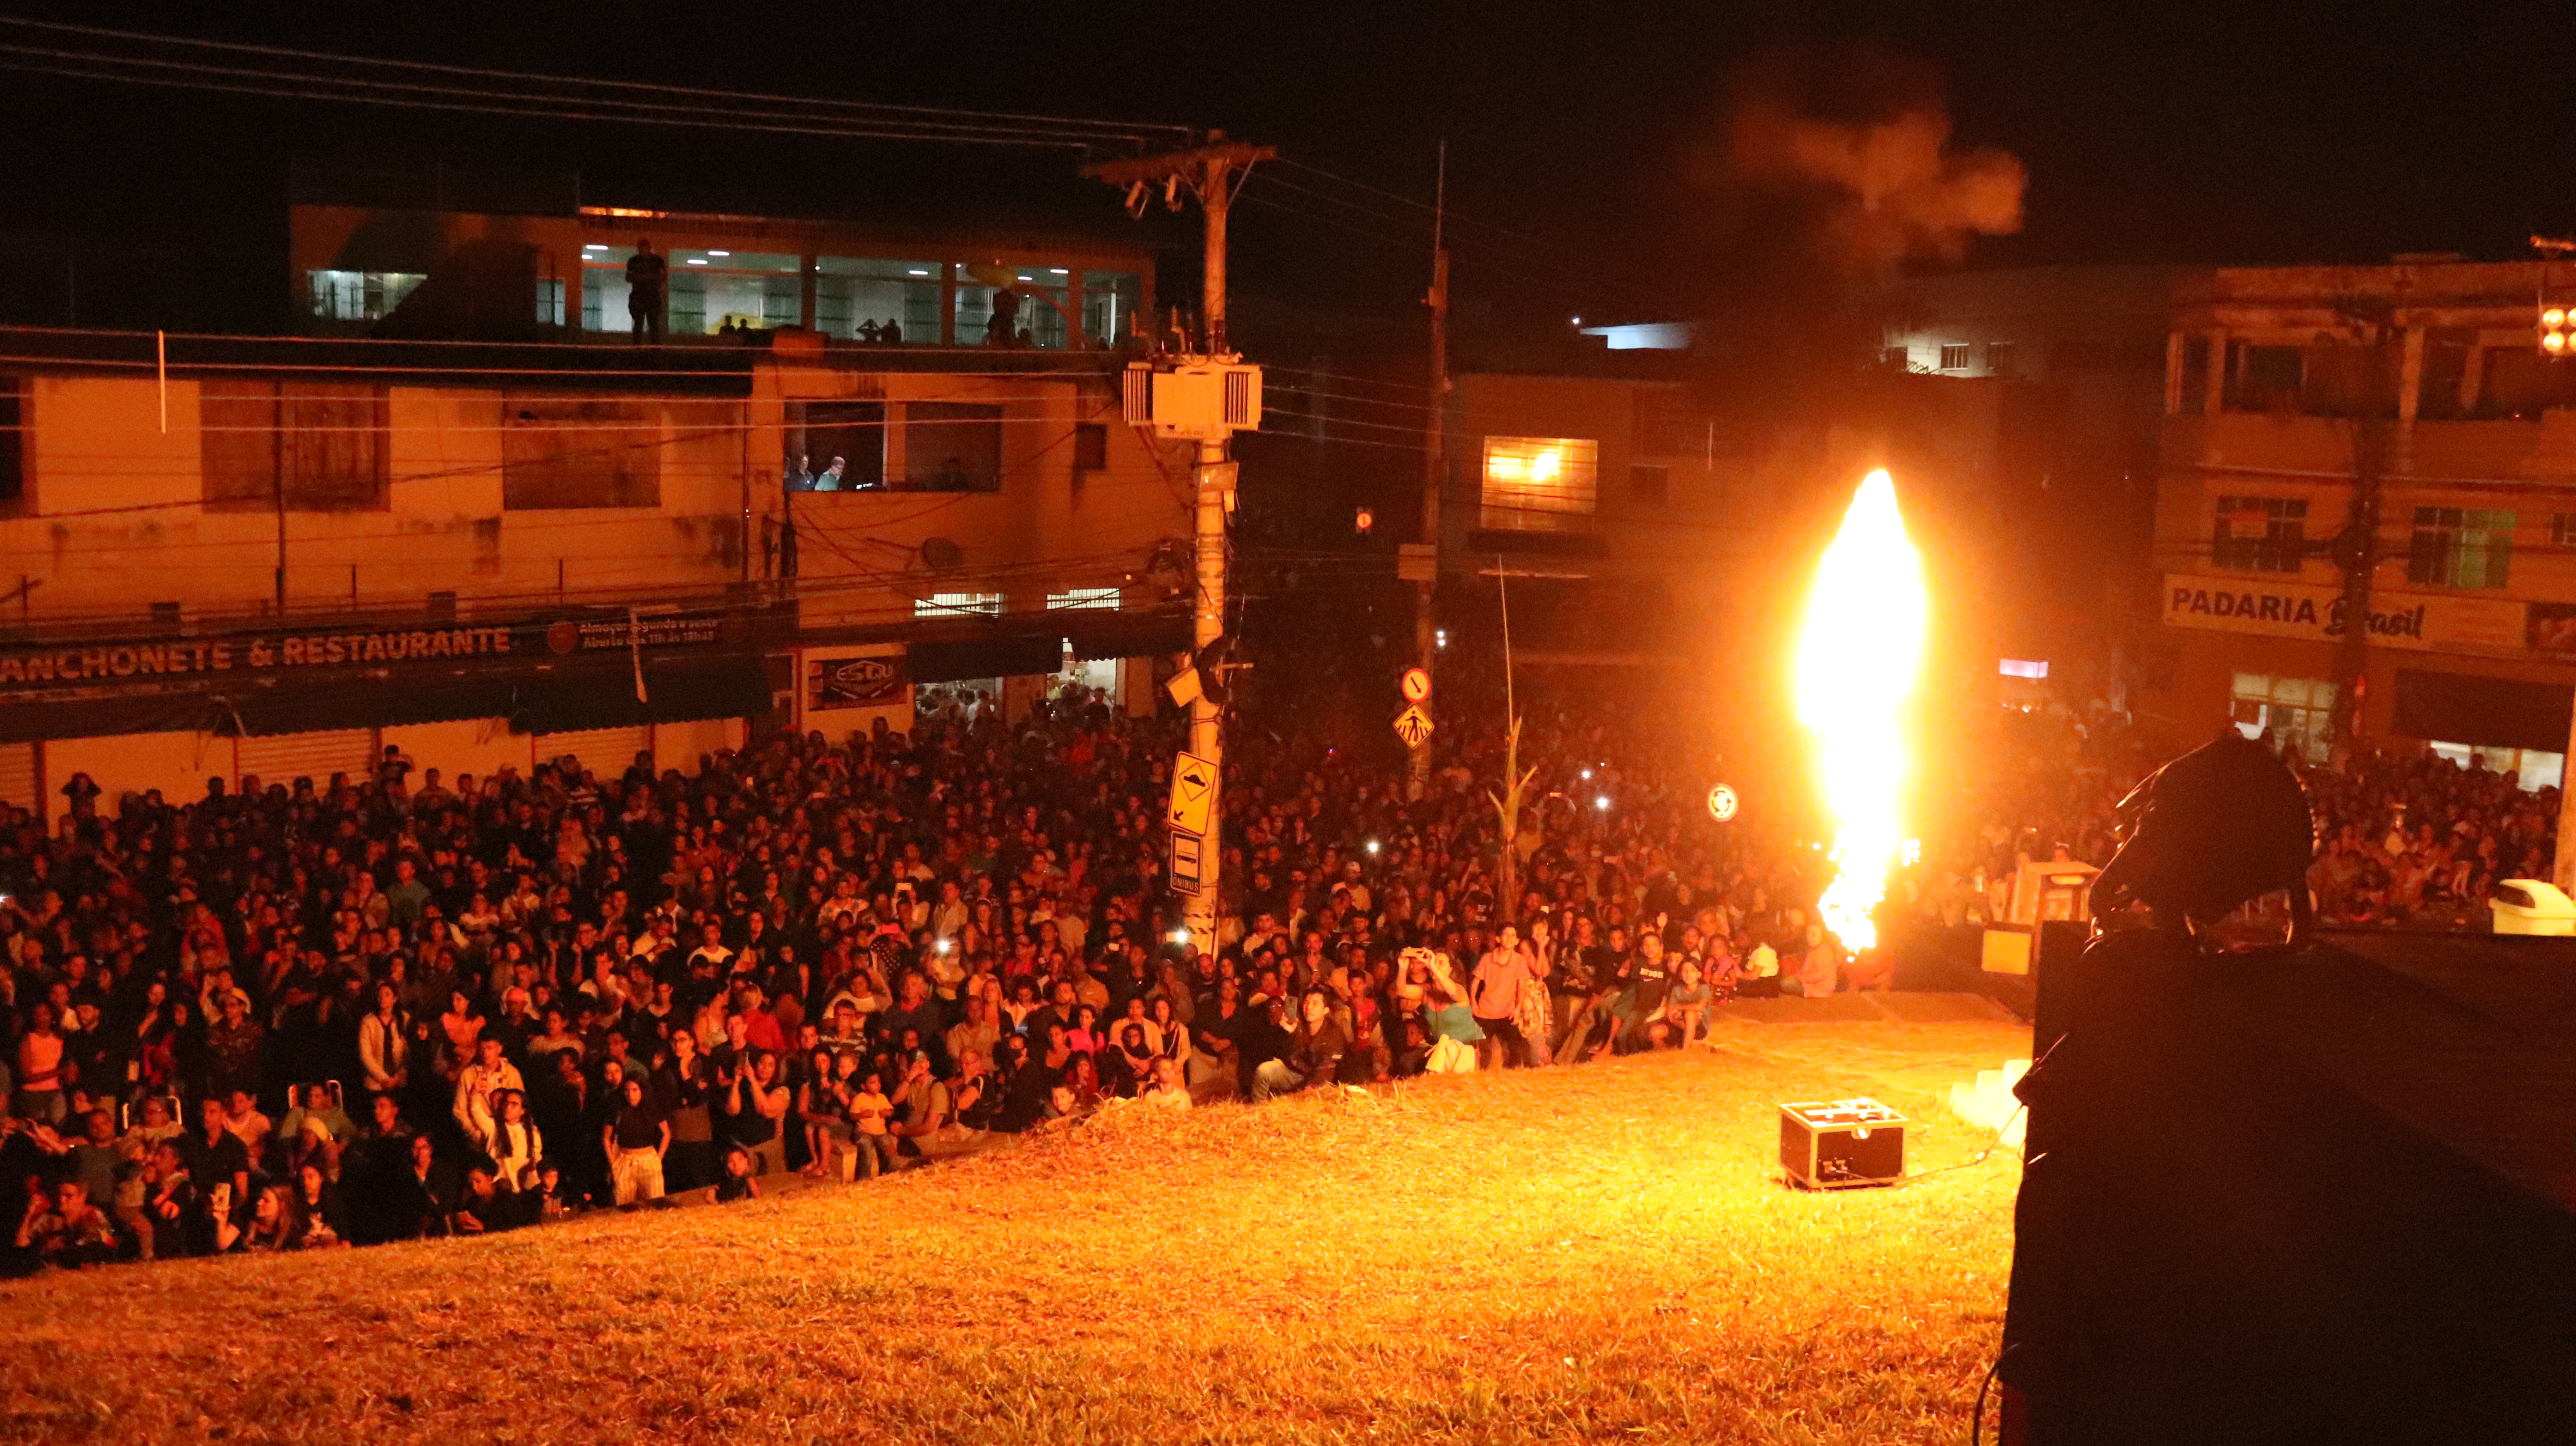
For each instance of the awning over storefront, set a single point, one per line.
(2486, 712)
(551, 700)
(986, 658)
(1127, 635)
(676, 690)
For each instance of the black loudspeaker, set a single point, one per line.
(1830, 1144)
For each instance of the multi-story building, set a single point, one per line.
(274, 557)
(2288, 392)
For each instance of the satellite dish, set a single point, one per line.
(941, 555)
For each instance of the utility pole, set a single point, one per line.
(2556, 327)
(2355, 549)
(1435, 462)
(1211, 172)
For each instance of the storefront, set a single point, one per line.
(2484, 679)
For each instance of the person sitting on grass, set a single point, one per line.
(823, 1103)
(740, 1182)
(272, 1222)
(1686, 1007)
(1314, 1052)
(922, 1107)
(63, 1229)
(1130, 1066)
(320, 1222)
(478, 1205)
(1166, 1087)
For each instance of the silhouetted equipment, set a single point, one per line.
(1214, 660)
(2213, 830)
(1830, 1144)
(2329, 1197)
(484, 290)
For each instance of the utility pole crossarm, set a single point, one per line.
(1189, 164)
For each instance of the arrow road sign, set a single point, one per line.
(1417, 684)
(1722, 803)
(1193, 794)
(1413, 725)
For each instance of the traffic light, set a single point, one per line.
(2557, 330)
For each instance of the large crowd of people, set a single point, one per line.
(320, 1012)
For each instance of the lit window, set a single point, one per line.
(2297, 714)
(359, 295)
(1083, 599)
(2260, 534)
(958, 605)
(2460, 547)
(1540, 484)
(1954, 357)
(2023, 667)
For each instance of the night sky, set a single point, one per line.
(2231, 133)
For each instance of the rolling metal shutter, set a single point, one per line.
(606, 752)
(286, 757)
(18, 775)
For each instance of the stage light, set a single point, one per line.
(1587, 775)
(1372, 848)
(1602, 803)
(1180, 936)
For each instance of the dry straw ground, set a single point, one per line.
(1578, 1254)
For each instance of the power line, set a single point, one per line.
(1450, 213)
(561, 97)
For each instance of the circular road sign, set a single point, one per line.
(1722, 803)
(1417, 684)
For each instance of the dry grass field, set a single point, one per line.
(1577, 1254)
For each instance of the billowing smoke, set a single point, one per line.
(1879, 191)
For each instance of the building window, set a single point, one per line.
(2297, 714)
(2460, 547)
(1954, 357)
(2260, 534)
(1650, 484)
(2194, 392)
(1897, 359)
(558, 452)
(836, 446)
(851, 292)
(303, 446)
(1110, 301)
(550, 301)
(359, 295)
(2265, 378)
(1040, 298)
(1540, 484)
(2532, 768)
(707, 287)
(958, 605)
(1999, 358)
(1084, 599)
(1090, 446)
(952, 447)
